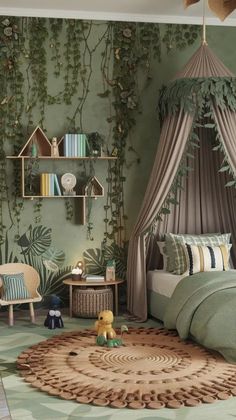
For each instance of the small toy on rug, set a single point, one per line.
(106, 335)
(54, 319)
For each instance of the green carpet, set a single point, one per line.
(27, 403)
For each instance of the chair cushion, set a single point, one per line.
(14, 287)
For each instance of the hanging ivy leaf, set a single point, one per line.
(224, 168)
(230, 184)
(209, 125)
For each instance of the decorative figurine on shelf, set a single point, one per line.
(54, 148)
(33, 150)
(54, 319)
(111, 270)
(77, 272)
(106, 335)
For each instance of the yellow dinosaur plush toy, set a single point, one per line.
(103, 326)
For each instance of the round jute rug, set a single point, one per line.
(153, 369)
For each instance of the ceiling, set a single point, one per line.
(164, 11)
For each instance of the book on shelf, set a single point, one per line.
(75, 145)
(57, 188)
(49, 185)
(94, 277)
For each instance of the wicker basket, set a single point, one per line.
(87, 303)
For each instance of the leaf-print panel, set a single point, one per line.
(39, 240)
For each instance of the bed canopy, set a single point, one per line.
(198, 114)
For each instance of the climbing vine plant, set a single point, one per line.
(49, 64)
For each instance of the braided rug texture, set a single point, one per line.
(153, 369)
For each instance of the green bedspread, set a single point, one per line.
(203, 307)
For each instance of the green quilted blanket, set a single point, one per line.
(203, 307)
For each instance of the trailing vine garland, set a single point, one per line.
(28, 47)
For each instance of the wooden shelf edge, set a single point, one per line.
(61, 196)
(64, 158)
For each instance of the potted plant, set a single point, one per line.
(95, 143)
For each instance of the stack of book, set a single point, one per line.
(94, 278)
(49, 185)
(75, 145)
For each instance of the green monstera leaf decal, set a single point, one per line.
(55, 256)
(37, 241)
(94, 261)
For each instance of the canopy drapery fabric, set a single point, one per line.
(194, 214)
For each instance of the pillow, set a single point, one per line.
(207, 258)
(14, 287)
(162, 249)
(177, 262)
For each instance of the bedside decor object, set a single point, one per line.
(77, 272)
(68, 182)
(111, 270)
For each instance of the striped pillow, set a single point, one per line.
(177, 262)
(207, 258)
(14, 287)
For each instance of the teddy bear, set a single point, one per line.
(103, 326)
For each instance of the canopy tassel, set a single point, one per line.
(204, 41)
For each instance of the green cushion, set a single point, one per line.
(14, 287)
(177, 263)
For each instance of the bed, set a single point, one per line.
(195, 292)
(160, 287)
(201, 307)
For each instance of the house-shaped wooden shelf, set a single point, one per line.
(93, 188)
(39, 138)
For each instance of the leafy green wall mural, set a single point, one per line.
(101, 78)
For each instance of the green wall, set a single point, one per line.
(67, 240)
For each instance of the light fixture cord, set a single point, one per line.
(204, 42)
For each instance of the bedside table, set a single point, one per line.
(83, 283)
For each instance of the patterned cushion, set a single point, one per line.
(177, 262)
(14, 287)
(207, 258)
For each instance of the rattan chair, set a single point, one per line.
(31, 279)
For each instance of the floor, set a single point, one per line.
(26, 403)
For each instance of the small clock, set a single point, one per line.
(68, 182)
